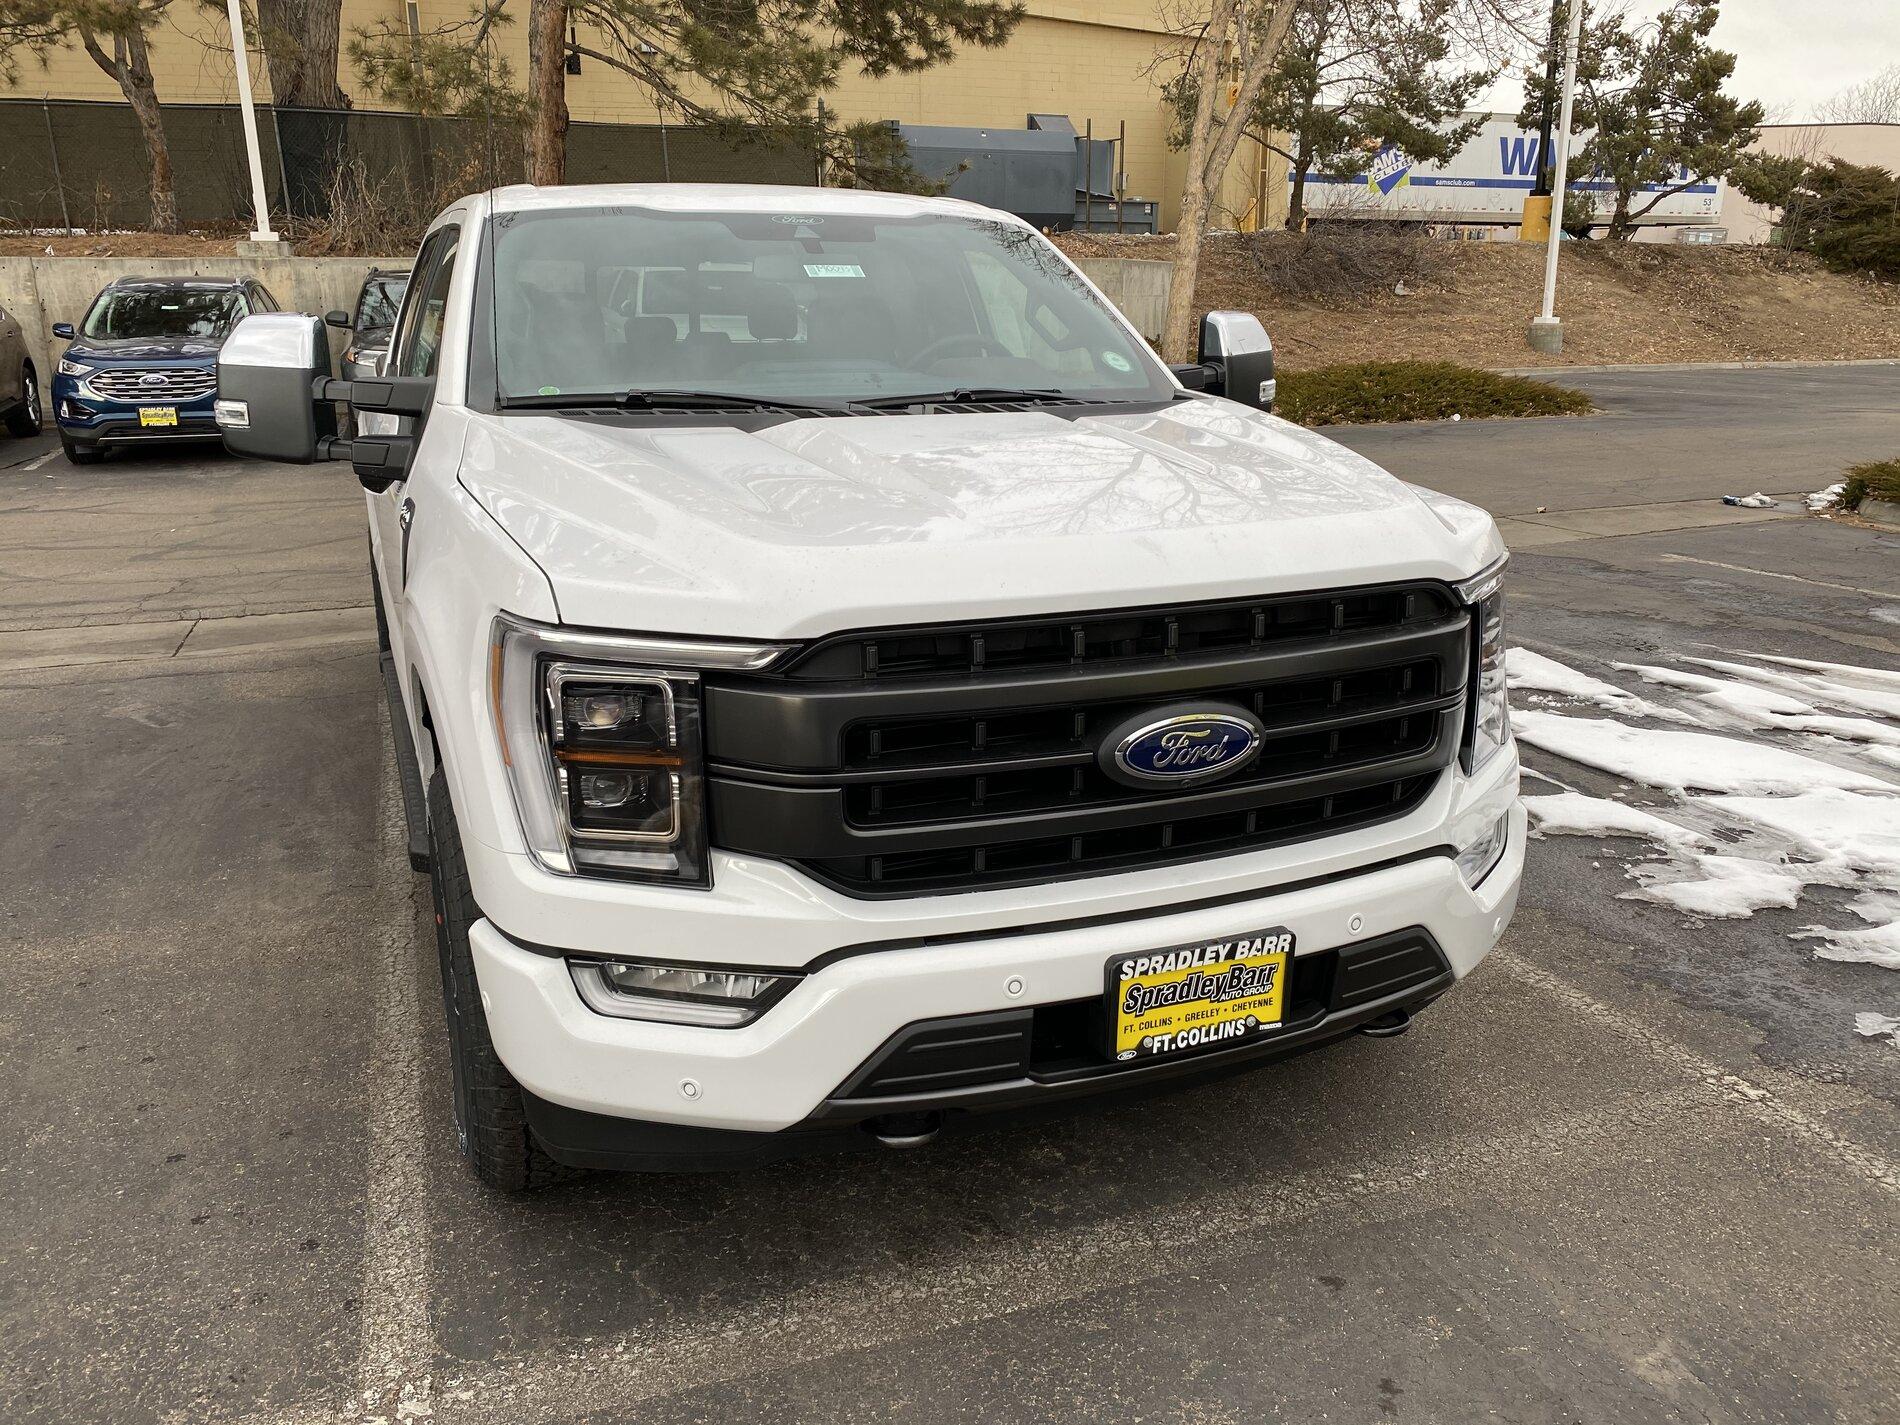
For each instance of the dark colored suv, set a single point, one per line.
(143, 365)
(376, 307)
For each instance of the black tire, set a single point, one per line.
(491, 1122)
(24, 419)
(81, 454)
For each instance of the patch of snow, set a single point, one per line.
(1832, 824)
(1756, 501)
(1574, 814)
(1876, 945)
(1680, 761)
(1870, 1025)
(1762, 707)
(1728, 888)
(1827, 499)
(1860, 694)
(1532, 672)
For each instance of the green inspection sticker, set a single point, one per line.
(550, 390)
(1115, 361)
(833, 269)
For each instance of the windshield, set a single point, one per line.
(376, 308)
(838, 306)
(164, 313)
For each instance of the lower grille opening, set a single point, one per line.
(1098, 852)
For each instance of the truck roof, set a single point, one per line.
(729, 197)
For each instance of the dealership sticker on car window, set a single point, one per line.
(1115, 361)
(833, 269)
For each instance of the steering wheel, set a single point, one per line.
(943, 346)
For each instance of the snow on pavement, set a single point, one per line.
(1870, 1025)
(1827, 814)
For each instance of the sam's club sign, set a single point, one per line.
(1484, 182)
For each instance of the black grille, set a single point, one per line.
(904, 762)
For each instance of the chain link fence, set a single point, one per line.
(82, 164)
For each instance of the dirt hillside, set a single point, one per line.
(1471, 302)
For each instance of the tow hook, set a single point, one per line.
(904, 1130)
(1389, 1025)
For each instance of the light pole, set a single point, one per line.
(1547, 333)
(261, 231)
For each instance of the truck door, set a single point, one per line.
(415, 351)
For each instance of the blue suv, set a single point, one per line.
(143, 365)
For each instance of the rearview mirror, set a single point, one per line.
(1238, 354)
(267, 373)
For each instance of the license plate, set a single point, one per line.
(158, 415)
(1198, 996)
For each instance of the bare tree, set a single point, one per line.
(113, 34)
(1237, 44)
(301, 40)
(1872, 101)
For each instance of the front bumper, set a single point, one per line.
(784, 1073)
(95, 420)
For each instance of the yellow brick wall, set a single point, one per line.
(1083, 58)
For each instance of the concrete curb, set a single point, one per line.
(1689, 366)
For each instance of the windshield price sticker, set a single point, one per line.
(833, 269)
(1217, 992)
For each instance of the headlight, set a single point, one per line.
(73, 368)
(1488, 723)
(677, 994)
(601, 738)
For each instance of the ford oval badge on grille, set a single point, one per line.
(153, 378)
(1186, 743)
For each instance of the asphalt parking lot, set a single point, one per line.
(1637, 1168)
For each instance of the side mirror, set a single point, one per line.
(1237, 352)
(337, 318)
(64, 331)
(267, 373)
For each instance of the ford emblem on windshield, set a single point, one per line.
(1187, 743)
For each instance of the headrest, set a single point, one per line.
(771, 314)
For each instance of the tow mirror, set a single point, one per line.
(268, 369)
(277, 400)
(1238, 356)
(64, 331)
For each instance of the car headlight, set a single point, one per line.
(1488, 723)
(601, 738)
(677, 994)
(69, 367)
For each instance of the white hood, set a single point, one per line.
(821, 525)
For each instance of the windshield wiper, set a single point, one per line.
(667, 399)
(719, 401)
(962, 396)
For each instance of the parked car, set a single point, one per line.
(376, 307)
(845, 684)
(19, 382)
(142, 366)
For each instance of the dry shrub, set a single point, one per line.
(1335, 264)
(382, 214)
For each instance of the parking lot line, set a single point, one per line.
(398, 1335)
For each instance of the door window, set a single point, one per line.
(419, 348)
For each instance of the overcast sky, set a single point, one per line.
(1791, 54)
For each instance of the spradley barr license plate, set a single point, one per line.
(1197, 996)
(158, 415)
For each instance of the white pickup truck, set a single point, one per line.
(845, 685)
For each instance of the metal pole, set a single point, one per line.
(262, 231)
(1549, 317)
(52, 147)
(1121, 175)
(1088, 178)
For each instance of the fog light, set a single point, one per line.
(1478, 859)
(677, 994)
(232, 415)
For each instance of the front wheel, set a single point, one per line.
(81, 454)
(24, 419)
(491, 1122)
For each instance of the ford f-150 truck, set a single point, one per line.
(845, 684)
